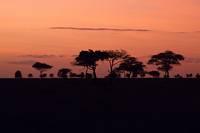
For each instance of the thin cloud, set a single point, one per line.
(100, 29)
(115, 29)
(23, 62)
(37, 56)
(41, 56)
(61, 56)
(182, 32)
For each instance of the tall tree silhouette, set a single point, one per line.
(41, 67)
(89, 59)
(132, 66)
(114, 57)
(165, 61)
(63, 73)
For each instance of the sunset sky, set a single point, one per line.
(26, 34)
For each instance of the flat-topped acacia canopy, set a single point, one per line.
(39, 66)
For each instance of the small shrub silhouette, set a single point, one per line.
(154, 74)
(178, 76)
(18, 74)
(30, 75)
(189, 75)
(63, 73)
(51, 75)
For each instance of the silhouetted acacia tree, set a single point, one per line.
(18, 74)
(89, 59)
(132, 66)
(165, 61)
(63, 73)
(42, 67)
(154, 74)
(114, 57)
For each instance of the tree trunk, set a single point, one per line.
(166, 74)
(111, 66)
(86, 72)
(94, 72)
(111, 69)
(130, 74)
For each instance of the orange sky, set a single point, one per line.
(25, 28)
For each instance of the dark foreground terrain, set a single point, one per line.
(101, 106)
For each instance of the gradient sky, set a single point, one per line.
(25, 29)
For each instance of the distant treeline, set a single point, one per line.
(121, 65)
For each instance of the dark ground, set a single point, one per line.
(101, 106)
